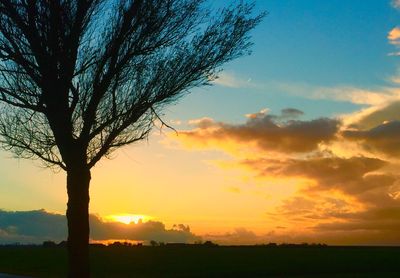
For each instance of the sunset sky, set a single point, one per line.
(299, 142)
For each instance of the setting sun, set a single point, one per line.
(128, 218)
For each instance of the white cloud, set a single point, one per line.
(350, 94)
(395, 4)
(358, 95)
(394, 53)
(343, 93)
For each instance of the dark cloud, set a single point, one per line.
(384, 138)
(268, 132)
(377, 132)
(379, 226)
(38, 226)
(31, 226)
(291, 113)
(376, 219)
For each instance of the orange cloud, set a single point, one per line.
(358, 180)
(336, 198)
(345, 197)
(267, 132)
(394, 35)
(352, 176)
(341, 201)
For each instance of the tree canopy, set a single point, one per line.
(97, 73)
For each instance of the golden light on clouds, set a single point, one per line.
(266, 132)
(325, 178)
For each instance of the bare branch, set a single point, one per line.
(80, 78)
(163, 123)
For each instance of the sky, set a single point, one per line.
(297, 142)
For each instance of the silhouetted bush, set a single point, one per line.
(209, 243)
(49, 243)
(272, 244)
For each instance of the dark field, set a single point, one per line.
(190, 261)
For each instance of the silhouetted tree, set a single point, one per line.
(80, 78)
(153, 243)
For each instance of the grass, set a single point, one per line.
(222, 261)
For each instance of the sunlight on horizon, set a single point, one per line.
(128, 218)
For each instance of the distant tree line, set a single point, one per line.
(153, 243)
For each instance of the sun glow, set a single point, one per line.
(128, 218)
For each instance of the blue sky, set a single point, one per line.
(324, 42)
(313, 43)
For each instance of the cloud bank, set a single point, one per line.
(346, 169)
(37, 226)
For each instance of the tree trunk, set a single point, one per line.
(78, 179)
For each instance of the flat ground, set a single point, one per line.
(201, 261)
